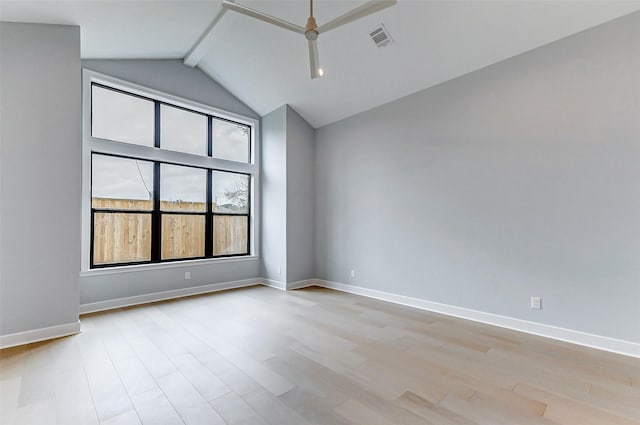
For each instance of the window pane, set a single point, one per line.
(183, 131)
(121, 183)
(182, 236)
(121, 238)
(121, 117)
(231, 141)
(230, 234)
(230, 193)
(182, 188)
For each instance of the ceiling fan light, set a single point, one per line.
(317, 73)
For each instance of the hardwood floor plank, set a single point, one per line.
(202, 379)
(74, 402)
(256, 370)
(490, 413)
(235, 410)
(134, 376)
(153, 408)
(566, 411)
(127, 418)
(42, 413)
(430, 412)
(9, 395)
(188, 402)
(109, 395)
(357, 413)
(272, 410)
(260, 356)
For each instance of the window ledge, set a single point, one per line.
(161, 266)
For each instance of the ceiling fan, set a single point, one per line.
(311, 30)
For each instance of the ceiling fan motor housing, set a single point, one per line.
(311, 32)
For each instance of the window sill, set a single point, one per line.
(161, 266)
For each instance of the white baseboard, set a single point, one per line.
(273, 284)
(36, 335)
(613, 345)
(567, 335)
(301, 284)
(165, 295)
(177, 293)
(288, 286)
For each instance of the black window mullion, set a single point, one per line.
(93, 224)
(250, 145)
(248, 235)
(117, 210)
(156, 219)
(170, 212)
(249, 203)
(208, 224)
(209, 135)
(156, 132)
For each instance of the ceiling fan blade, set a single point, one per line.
(262, 16)
(314, 62)
(368, 8)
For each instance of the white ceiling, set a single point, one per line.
(266, 66)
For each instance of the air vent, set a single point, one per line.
(380, 36)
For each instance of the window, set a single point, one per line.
(121, 117)
(183, 207)
(170, 180)
(183, 131)
(122, 205)
(230, 206)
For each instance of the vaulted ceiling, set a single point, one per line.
(266, 66)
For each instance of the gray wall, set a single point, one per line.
(172, 77)
(40, 176)
(287, 224)
(300, 198)
(518, 180)
(273, 179)
(105, 287)
(169, 76)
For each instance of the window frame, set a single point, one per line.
(94, 145)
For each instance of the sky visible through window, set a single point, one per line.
(121, 178)
(230, 141)
(124, 178)
(121, 117)
(185, 184)
(183, 131)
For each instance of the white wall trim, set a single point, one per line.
(273, 284)
(135, 268)
(613, 345)
(165, 295)
(283, 286)
(301, 284)
(35, 335)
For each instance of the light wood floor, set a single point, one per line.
(259, 356)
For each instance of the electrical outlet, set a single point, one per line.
(187, 275)
(536, 303)
(353, 274)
